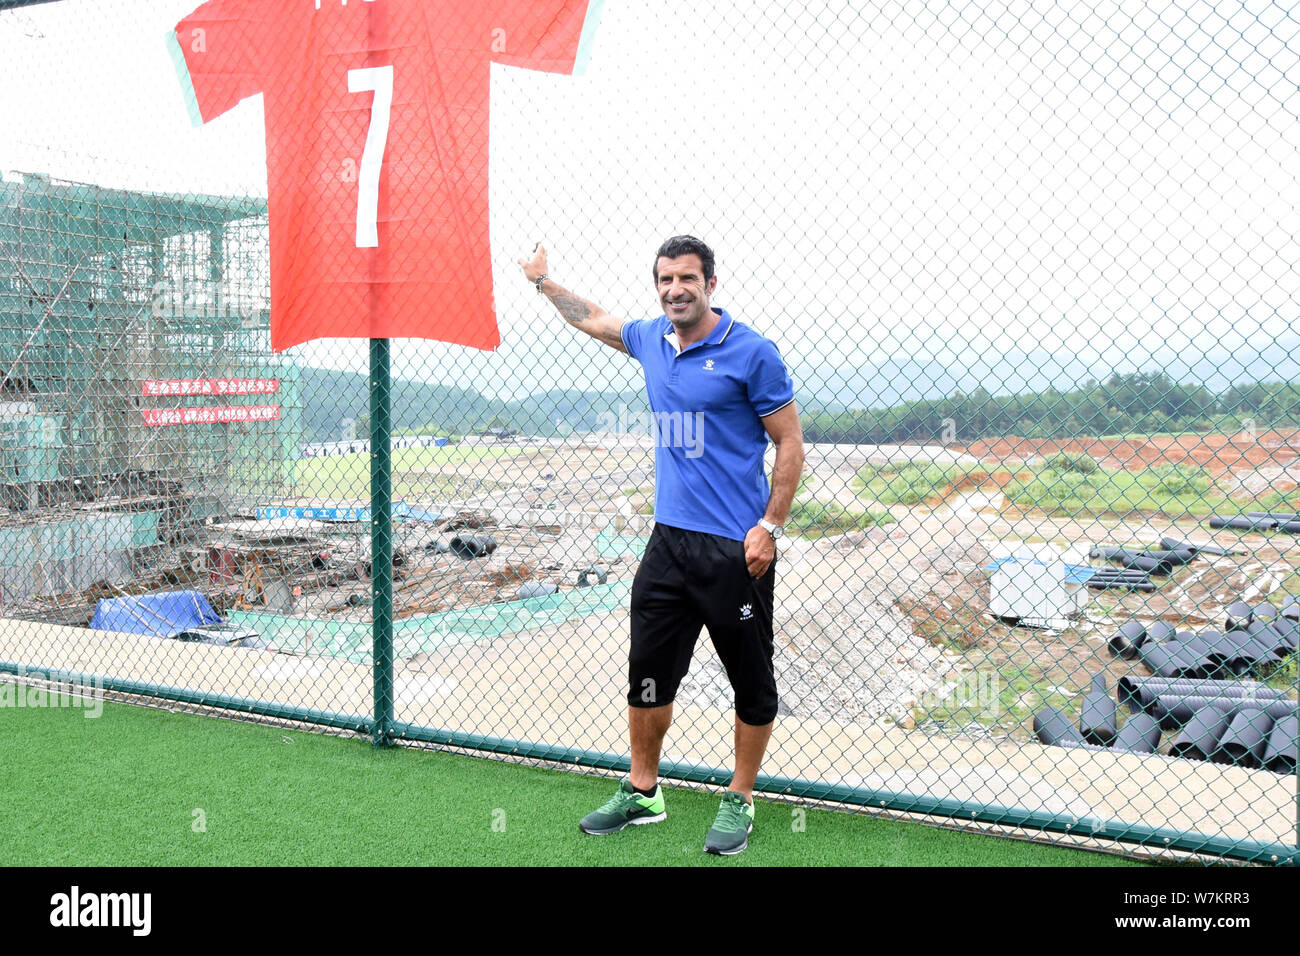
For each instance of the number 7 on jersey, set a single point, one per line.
(380, 80)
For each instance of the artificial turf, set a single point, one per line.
(142, 786)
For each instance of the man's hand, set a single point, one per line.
(536, 266)
(760, 551)
(577, 311)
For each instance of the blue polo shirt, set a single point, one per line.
(706, 403)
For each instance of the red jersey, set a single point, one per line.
(376, 149)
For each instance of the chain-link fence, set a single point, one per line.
(1030, 268)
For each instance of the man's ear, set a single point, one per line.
(713, 284)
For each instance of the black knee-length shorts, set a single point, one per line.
(689, 580)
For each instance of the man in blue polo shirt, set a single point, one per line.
(718, 391)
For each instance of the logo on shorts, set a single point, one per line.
(708, 366)
(746, 612)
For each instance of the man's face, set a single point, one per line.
(683, 293)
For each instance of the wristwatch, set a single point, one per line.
(540, 279)
(775, 530)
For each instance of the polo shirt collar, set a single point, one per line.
(716, 337)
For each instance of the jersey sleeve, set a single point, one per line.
(554, 36)
(768, 382)
(633, 332)
(217, 49)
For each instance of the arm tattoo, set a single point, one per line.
(574, 310)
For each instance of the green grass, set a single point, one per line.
(1063, 484)
(1144, 436)
(1173, 490)
(1270, 501)
(127, 789)
(1020, 694)
(348, 476)
(1282, 676)
(909, 484)
(816, 519)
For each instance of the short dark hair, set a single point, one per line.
(679, 246)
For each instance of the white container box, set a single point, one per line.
(1038, 593)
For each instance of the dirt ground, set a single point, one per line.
(1216, 453)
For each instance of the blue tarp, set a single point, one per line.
(1074, 573)
(159, 615)
(327, 514)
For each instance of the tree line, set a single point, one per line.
(1138, 402)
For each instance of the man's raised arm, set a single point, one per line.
(577, 311)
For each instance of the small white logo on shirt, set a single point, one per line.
(708, 366)
(746, 612)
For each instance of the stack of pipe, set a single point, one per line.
(1239, 722)
(1252, 637)
(1243, 523)
(1287, 521)
(1137, 567)
(1148, 561)
(1228, 722)
(1098, 725)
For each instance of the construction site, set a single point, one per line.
(140, 400)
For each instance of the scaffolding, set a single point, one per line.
(136, 376)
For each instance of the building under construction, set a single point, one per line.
(139, 394)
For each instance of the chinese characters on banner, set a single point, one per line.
(220, 415)
(376, 148)
(211, 416)
(210, 386)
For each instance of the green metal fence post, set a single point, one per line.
(381, 537)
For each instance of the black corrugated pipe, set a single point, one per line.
(1272, 642)
(1141, 693)
(1192, 656)
(1171, 558)
(1288, 637)
(1053, 727)
(1246, 738)
(1140, 734)
(1102, 581)
(1263, 612)
(1280, 755)
(1128, 639)
(1199, 739)
(473, 546)
(1244, 523)
(1220, 648)
(1160, 659)
(1237, 615)
(1187, 657)
(1098, 715)
(1174, 710)
(1134, 561)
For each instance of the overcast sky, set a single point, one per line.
(921, 178)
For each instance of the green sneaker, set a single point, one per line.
(625, 808)
(732, 826)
